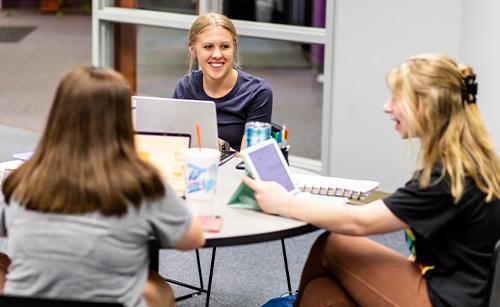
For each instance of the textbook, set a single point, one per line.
(334, 186)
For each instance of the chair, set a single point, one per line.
(494, 294)
(31, 301)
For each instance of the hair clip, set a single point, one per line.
(470, 91)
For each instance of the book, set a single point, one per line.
(23, 156)
(334, 186)
(7, 167)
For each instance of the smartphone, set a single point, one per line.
(211, 223)
(240, 165)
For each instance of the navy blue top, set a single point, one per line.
(251, 99)
(455, 241)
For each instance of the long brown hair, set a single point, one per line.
(86, 160)
(431, 92)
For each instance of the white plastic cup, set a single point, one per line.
(200, 173)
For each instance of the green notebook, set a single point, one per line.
(244, 198)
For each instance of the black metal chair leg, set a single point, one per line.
(209, 288)
(286, 267)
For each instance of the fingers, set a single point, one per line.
(250, 182)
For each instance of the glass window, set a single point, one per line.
(290, 12)
(172, 6)
(162, 59)
(295, 77)
(292, 70)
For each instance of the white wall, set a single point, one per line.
(480, 48)
(371, 37)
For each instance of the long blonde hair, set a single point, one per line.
(86, 159)
(431, 92)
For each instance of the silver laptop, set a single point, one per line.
(154, 114)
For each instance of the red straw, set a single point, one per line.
(198, 136)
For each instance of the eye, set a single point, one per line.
(226, 46)
(207, 47)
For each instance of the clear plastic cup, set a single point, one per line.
(200, 173)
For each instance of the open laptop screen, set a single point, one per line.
(177, 116)
(164, 151)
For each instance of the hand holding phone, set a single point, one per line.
(211, 223)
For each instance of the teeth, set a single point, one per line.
(216, 64)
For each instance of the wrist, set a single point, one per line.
(289, 208)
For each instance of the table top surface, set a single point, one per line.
(240, 226)
(243, 226)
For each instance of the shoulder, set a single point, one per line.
(247, 78)
(188, 86)
(194, 76)
(248, 82)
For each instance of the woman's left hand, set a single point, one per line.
(271, 196)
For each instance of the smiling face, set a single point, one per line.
(393, 109)
(215, 50)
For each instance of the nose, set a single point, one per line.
(388, 106)
(216, 54)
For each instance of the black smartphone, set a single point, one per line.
(240, 165)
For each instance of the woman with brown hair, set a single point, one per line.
(79, 214)
(449, 209)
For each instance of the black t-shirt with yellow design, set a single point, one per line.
(452, 243)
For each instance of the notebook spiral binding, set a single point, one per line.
(333, 191)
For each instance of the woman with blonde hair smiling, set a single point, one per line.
(80, 213)
(450, 208)
(239, 96)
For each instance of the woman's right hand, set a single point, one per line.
(271, 196)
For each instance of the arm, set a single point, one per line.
(262, 106)
(373, 218)
(193, 237)
(369, 219)
(261, 110)
(243, 142)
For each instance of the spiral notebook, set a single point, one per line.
(334, 186)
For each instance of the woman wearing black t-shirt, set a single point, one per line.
(449, 209)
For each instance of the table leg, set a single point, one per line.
(286, 267)
(199, 289)
(209, 288)
(199, 267)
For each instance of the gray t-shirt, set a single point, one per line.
(88, 256)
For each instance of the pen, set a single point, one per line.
(284, 136)
(278, 139)
(283, 132)
(276, 136)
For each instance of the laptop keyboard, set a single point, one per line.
(226, 156)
